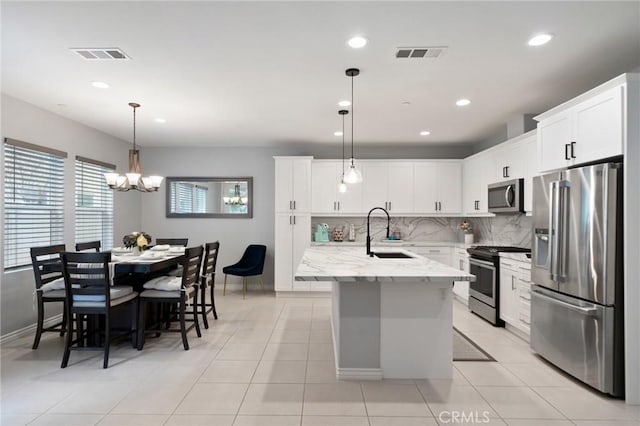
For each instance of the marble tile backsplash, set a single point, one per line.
(513, 230)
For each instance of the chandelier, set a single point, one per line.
(236, 198)
(133, 179)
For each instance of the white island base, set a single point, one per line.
(393, 329)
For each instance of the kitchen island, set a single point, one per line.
(391, 317)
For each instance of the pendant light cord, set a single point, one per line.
(134, 128)
(352, 153)
(342, 147)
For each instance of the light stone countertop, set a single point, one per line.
(399, 243)
(349, 264)
(520, 257)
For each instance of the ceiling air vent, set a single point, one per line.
(101, 54)
(420, 52)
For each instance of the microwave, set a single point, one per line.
(506, 197)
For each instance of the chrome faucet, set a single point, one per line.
(369, 252)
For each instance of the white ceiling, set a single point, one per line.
(271, 73)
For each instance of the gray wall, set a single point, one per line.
(25, 122)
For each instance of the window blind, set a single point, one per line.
(200, 199)
(182, 197)
(94, 203)
(33, 200)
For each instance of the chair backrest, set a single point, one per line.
(209, 261)
(46, 263)
(254, 257)
(191, 266)
(89, 245)
(173, 241)
(86, 278)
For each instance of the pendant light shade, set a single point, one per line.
(342, 187)
(133, 179)
(353, 175)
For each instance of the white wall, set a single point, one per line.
(25, 122)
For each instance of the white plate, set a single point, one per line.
(161, 247)
(121, 250)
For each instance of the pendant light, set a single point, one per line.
(133, 179)
(342, 187)
(353, 175)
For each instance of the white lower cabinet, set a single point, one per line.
(292, 237)
(515, 294)
(439, 254)
(460, 260)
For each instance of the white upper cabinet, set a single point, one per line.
(588, 129)
(509, 162)
(477, 173)
(437, 187)
(293, 184)
(325, 197)
(387, 184)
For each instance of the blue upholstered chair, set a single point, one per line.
(251, 264)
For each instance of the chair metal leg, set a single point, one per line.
(224, 289)
(244, 287)
(261, 282)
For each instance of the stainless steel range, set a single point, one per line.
(484, 292)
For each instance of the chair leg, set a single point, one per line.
(224, 289)
(107, 339)
(213, 302)
(134, 323)
(63, 327)
(261, 282)
(141, 325)
(67, 343)
(244, 287)
(203, 304)
(40, 324)
(195, 312)
(183, 328)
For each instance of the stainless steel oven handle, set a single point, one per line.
(506, 195)
(482, 263)
(583, 311)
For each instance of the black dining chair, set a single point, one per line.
(207, 279)
(89, 245)
(251, 264)
(89, 293)
(172, 241)
(169, 290)
(47, 271)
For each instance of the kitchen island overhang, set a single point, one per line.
(391, 318)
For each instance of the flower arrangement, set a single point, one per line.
(466, 227)
(137, 239)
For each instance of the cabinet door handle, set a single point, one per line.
(506, 171)
(294, 220)
(435, 203)
(338, 205)
(566, 151)
(334, 206)
(573, 144)
(439, 205)
(290, 221)
(290, 205)
(294, 207)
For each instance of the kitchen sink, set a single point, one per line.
(392, 255)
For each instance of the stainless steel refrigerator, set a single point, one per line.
(577, 296)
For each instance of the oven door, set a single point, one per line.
(484, 287)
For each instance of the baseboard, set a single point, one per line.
(323, 294)
(30, 329)
(359, 374)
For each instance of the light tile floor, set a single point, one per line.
(269, 361)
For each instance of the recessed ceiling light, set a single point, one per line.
(160, 120)
(100, 85)
(463, 102)
(344, 103)
(357, 42)
(540, 39)
(425, 133)
(338, 133)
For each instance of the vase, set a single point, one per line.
(468, 238)
(137, 251)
